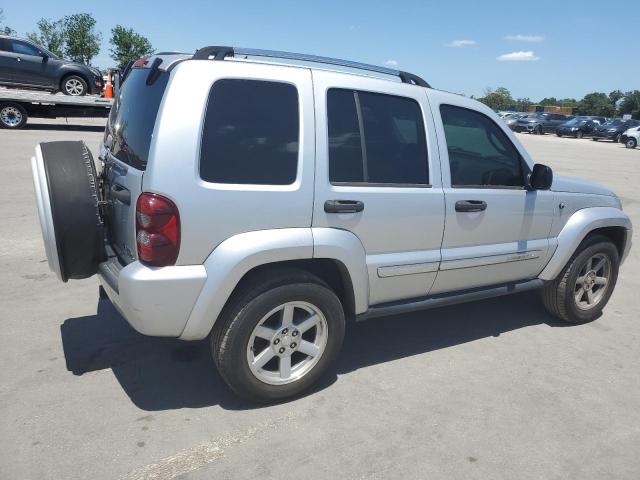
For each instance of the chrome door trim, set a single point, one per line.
(490, 259)
(409, 269)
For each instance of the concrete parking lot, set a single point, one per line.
(490, 390)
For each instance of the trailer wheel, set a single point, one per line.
(68, 199)
(12, 115)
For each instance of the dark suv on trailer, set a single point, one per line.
(27, 65)
(540, 122)
(613, 129)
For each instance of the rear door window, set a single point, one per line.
(23, 48)
(251, 133)
(133, 117)
(375, 139)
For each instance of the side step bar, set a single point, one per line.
(397, 308)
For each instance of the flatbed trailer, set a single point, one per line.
(16, 106)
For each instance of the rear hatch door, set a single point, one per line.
(125, 154)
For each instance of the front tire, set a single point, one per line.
(278, 336)
(585, 285)
(579, 134)
(74, 85)
(631, 143)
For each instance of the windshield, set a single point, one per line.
(613, 123)
(576, 122)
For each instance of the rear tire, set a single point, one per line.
(579, 134)
(239, 343)
(12, 116)
(579, 293)
(594, 139)
(616, 139)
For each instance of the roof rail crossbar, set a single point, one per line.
(220, 53)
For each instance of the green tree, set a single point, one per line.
(498, 99)
(5, 29)
(82, 41)
(631, 104)
(523, 104)
(50, 35)
(614, 96)
(568, 102)
(128, 45)
(596, 103)
(549, 102)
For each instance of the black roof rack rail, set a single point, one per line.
(220, 53)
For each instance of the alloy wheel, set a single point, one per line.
(74, 87)
(287, 343)
(592, 282)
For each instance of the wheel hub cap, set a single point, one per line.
(11, 116)
(74, 87)
(592, 282)
(287, 343)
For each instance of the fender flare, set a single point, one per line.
(235, 257)
(579, 225)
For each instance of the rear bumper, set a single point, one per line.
(155, 301)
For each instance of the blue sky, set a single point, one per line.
(546, 48)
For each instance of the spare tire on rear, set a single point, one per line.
(68, 200)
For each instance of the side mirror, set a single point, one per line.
(540, 178)
(44, 56)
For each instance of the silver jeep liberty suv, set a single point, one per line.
(260, 199)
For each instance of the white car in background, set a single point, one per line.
(631, 137)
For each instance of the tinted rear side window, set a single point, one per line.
(375, 139)
(133, 117)
(251, 133)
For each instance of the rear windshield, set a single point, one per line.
(133, 117)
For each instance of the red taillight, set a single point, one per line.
(157, 230)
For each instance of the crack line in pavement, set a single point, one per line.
(200, 455)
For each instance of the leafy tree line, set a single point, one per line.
(596, 103)
(75, 37)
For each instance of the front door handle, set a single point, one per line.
(470, 206)
(343, 206)
(18, 59)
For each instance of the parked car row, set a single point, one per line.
(597, 127)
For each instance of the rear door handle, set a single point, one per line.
(470, 206)
(120, 193)
(343, 206)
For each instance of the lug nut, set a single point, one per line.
(293, 345)
(276, 341)
(294, 333)
(284, 331)
(281, 350)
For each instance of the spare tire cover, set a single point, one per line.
(68, 205)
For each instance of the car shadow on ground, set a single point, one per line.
(165, 373)
(69, 127)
